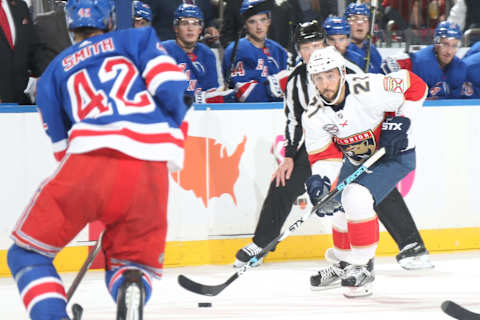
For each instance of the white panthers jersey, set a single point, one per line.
(353, 128)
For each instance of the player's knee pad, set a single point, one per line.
(115, 278)
(40, 286)
(357, 202)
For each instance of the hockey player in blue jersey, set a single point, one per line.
(337, 30)
(438, 66)
(358, 16)
(113, 107)
(142, 14)
(197, 59)
(474, 49)
(259, 69)
(471, 88)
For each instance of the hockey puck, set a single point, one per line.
(204, 304)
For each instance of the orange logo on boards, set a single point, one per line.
(223, 170)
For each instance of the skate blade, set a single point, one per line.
(132, 297)
(416, 263)
(358, 292)
(239, 264)
(329, 287)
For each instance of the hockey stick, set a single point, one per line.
(213, 290)
(86, 265)
(374, 4)
(262, 6)
(458, 312)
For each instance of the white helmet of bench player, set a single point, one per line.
(326, 59)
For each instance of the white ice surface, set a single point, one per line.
(281, 291)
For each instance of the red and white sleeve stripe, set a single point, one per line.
(161, 70)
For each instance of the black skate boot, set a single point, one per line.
(414, 256)
(131, 296)
(245, 254)
(357, 280)
(328, 277)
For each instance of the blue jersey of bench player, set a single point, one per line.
(474, 49)
(444, 84)
(200, 66)
(252, 66)
(358, 56)
(471, 89)
(118, 90)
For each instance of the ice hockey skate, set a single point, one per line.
(414, 256)
(131, 297)
(357, 280)
(245, 254)
(329, 277)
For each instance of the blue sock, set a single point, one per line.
(114, 279)
(40, 286)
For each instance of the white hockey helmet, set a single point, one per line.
(326, 59)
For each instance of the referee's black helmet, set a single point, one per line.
(309, 32)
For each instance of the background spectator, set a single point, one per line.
(21, 52)
(52, 31)
(163, 17)
(466, 13)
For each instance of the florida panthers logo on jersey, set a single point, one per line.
(393, 84)
(359, 146)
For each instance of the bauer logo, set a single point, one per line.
(222, 171)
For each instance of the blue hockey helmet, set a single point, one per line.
(247, 4)
(336, 25)
(357, 9)
(446, 29)
(89, 13)
(187, 11)
(142, 10)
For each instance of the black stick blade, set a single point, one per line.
(204, 289)
(458, 312)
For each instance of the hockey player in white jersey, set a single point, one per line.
(356, 115)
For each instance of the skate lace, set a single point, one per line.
(252, 249)
(331, 272)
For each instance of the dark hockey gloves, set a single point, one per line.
(394, 136)
(316, 188)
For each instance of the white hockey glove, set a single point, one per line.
(277, 83)
(390, 65)
(31, 89)
(199, 96)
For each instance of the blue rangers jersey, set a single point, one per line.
(471, 88)
(252, 67)
(118, 90)
(474, 49)
(445, 84)
(358, 56)
(200, 66)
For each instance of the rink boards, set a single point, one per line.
(215, 201)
